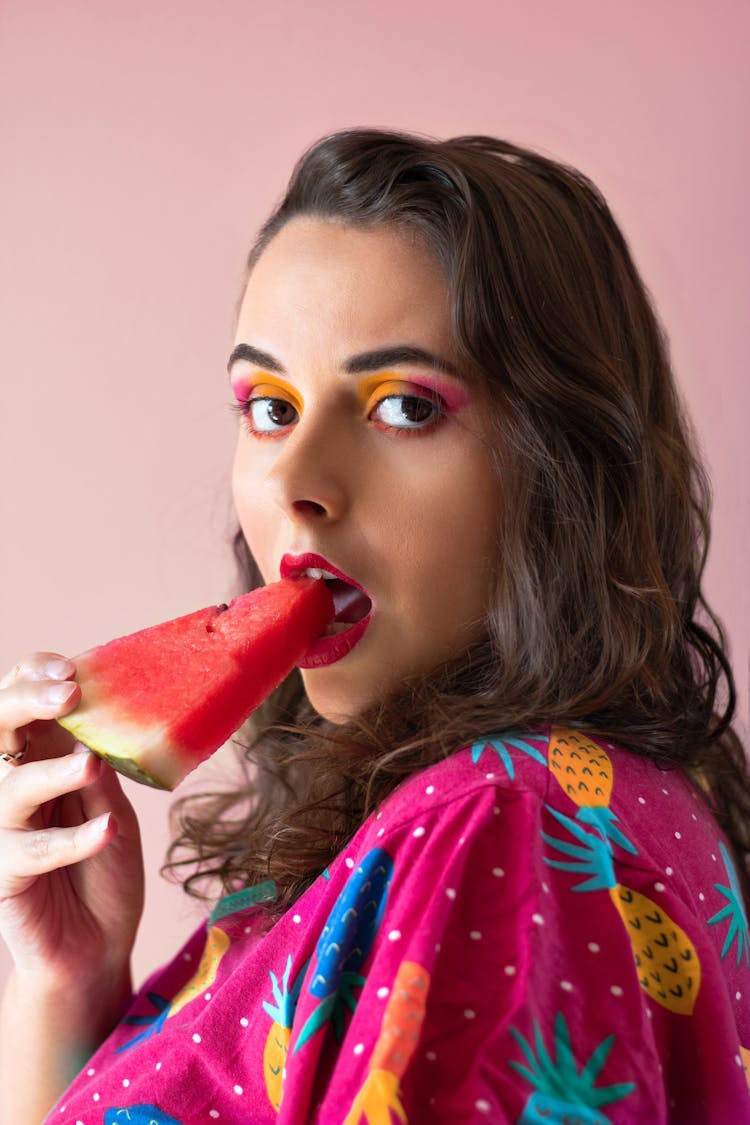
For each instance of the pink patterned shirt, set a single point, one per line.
(541, 928)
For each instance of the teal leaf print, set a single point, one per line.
(499, 743)
(734, 910)
(590, 856)
(561, 1092)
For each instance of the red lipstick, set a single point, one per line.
(353, 604)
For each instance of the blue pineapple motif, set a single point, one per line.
(346, 941)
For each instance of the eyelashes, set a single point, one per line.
(402, 409)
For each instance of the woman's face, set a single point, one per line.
(363, 453)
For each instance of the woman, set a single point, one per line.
(487, 860)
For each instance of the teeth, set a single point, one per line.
(316, 572)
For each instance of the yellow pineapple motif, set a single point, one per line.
(399, 1034)
(745, 1056)
(584, 771)
(276, 1047)
(668, 965)
(217, 943)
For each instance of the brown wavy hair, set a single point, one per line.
(599, 621)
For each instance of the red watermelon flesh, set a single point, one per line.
(158, 702)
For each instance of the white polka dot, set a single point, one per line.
(158, 1066)
(566, 986)
(430, 1055)
(238, 1090)
(196, 1037)
(394, 935)
(616, 990)
(694, 816)
(659, 887)
(378, 816)
(469, 1014)
(510, 970)
(419, 832)
(489, 776)
(649, 1013)
(738, 995)
(213, 1113)
(545, 888)
(713, 857)
(475, 935)
(187, 957)
(450, 892)
(247, 929)
(296, 918)
(91, 1072)
(62, 1109)
(482, 1105)
(207, 996)
(461, 840)
(678, 835)
(438, 947)
(594, 946)
(96, 1097)
(430, 790)
(498, 872)
(701, 896)
(665, 792)
(349, 862)
(79, 1122)
(538, 919)
(496, 811)
(359, 1048)
(738, 1060)
(669, 871)
(126, 1082)
(244, 1021)
(381, 831)
(641, 800)
(382, 992)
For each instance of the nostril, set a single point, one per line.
(309, 507)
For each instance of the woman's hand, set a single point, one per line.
(71, 869)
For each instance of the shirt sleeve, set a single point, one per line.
(469, 996)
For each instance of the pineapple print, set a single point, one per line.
(669, 969)
(735, 909)
(346, 941)
(745, 1057)
(139, 1115)
(562, 1094)
(217, 943)
(399, 1035)
(583, 771)
(500, 743)
(280, 1031)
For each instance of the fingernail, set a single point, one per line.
(59, 693)
(98, 826)
(59, 669)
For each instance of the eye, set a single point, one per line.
(406, 411)
(269, 415)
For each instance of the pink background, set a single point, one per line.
(141, 144)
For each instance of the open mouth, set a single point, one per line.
(351, 604)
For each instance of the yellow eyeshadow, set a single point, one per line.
(270, 387)
(373, 390)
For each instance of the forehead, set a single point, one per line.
(368, 285)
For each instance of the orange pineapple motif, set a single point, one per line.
(399, 1035)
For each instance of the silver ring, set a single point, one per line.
(19, 754)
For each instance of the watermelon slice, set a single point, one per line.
(158, 702)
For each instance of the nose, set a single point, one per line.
(310, 478)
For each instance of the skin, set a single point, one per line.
(409, 511)
(359, 467)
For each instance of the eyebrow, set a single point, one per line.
(374, 360)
